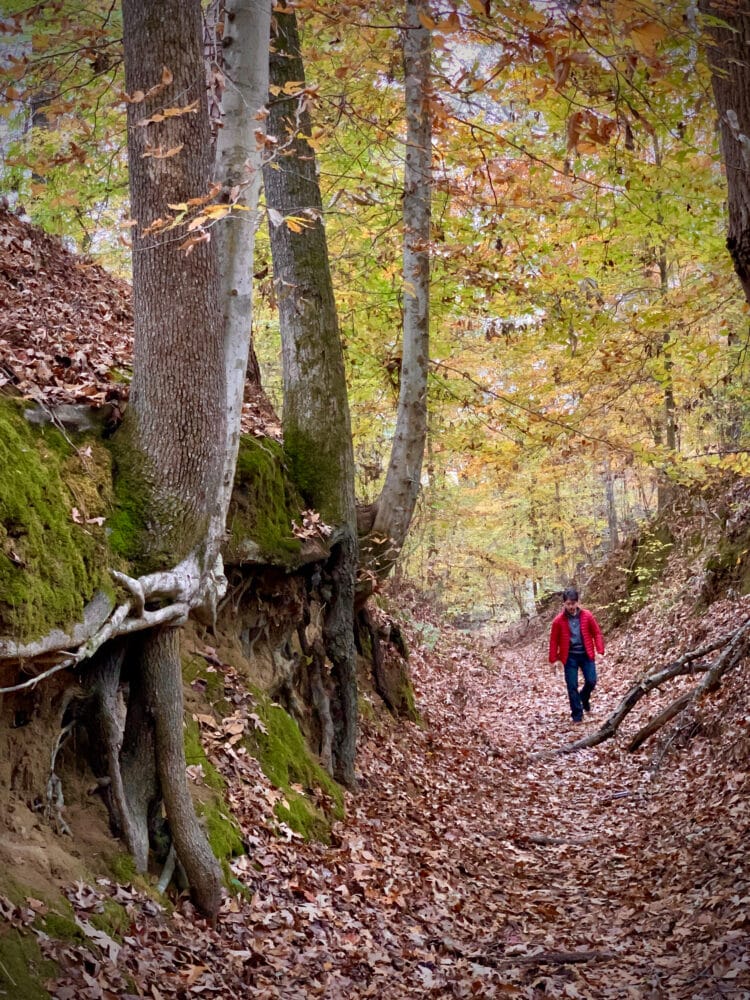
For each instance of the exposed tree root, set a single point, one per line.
(686, 664)
(174, 595)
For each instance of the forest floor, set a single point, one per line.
(471, 864)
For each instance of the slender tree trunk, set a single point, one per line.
(175, 429)
(609, 495)
(399, 495)
(239, 152)
(316, 422)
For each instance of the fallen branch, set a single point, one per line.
(543, 841)
(659, 720)
(729, 658)
(684, 665)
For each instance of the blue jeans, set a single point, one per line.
(574, 663)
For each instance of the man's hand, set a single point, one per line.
(558, 663)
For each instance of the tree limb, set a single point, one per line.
(683, 665)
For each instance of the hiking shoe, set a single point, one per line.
(577, 722)
(586, 705)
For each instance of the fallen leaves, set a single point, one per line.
(66, 328)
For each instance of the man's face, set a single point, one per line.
(571, 607)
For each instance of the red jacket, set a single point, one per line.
(559, 640)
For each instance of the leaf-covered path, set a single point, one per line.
(468, 866)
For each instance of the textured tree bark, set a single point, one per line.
(178, 395)
(175, 426)
(316, 423)
(399, 495)
(162, 671)
(730, 77)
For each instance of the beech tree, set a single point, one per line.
(395, 505)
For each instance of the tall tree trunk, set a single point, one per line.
(316, 422)
(239, 152)
(609, 497)
(730, 77)
(175, 428)
(397, 500)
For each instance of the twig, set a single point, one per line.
(554, 958)
(7, 974)
(544, 841)
(538, 958)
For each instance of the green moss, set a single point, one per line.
(728, 567)
(62, 928)
(123, 868)
(315, 472)
(211, 682)
(263, 505)
(23, 969)
(224, 835)
(50, 566)
(408, 707)
(114, 920)
(286, 761)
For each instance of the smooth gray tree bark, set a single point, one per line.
(395, 506)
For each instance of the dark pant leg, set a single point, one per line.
(571, 680)
(589, 679)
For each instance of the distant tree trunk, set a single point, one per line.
(609, 496)
(174, 435)
(398, 498)
(239, 152)
(316, 422)
(730, 77)
(665, 490)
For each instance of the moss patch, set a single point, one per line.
(263, 505)
(50, 566)
(728, 567)
(123, 868)
(206, 681)
(287, 762)
(114, 920)
(317, 476)
(23, 969)
(224, 835)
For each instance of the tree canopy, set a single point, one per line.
(587, 331)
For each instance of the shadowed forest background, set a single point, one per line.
(336, 340)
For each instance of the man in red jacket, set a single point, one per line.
(574, 641)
